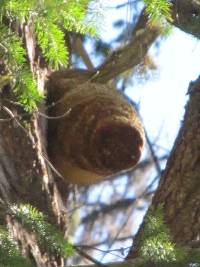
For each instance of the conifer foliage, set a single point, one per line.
(35, 222)
(51, 19)
(9, 253)
(158, 10)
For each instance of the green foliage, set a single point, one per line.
(14, 55)
(50, 20)
(52, 43)
(157, 245)
(48, 237)
(159, 13)
(9, 254)
(74, 16)
(4, 80)
(50, 28)
(157, 10)
(26, 90)
(19, 10)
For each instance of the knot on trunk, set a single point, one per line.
(100, 135)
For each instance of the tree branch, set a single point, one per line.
(125, 58)
(132, 54)
(179, 187)
(186, 16)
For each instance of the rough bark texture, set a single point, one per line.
(132, 54)
(25, 175)
(29, 246)
(186, 16)
(25, 172)
(24, 167)
(179, 188)
(181, 179)
(179, 185)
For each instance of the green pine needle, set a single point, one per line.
(26, 90)
(52, 43)
(25, 87)
(48, 237)
(9, 253)
(159, 11)
(51, 19)
(157, 245)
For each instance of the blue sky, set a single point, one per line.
(163, 98)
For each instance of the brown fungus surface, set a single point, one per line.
(100, 136)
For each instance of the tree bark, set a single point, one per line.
(25, 169)
(185, 16)
(179, 187)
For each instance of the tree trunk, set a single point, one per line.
(26, 173)
(179, 187)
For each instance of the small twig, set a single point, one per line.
(5, 120)
(12, 116)
(10, 113)
(90, 258)
(106, 240)
(154, 157)
(64, 115)
(121, 250)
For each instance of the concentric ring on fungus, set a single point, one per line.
(101, 136)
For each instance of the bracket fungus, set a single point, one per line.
(97, 133)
